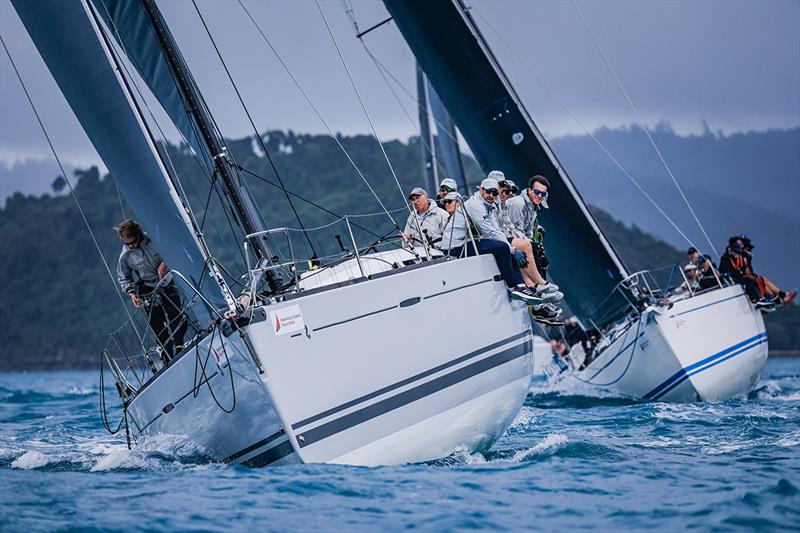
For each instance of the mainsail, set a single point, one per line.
(501, 134)
(71, 43)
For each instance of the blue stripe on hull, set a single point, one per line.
(704, 364)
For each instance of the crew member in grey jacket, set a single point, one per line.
(430, 219)
(139, 270)
(523, 213)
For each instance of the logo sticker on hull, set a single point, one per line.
(287, 320)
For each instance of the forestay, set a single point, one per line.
(501, 134)
(69, 40)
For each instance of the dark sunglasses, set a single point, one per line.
(493, 192)
(448, 202)
(445, 188)
(537, 192)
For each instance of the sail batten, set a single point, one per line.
(501, 134)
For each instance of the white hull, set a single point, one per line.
(709, 347)
(411, 366)
(377, 362)
(178, 403)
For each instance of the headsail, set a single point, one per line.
(501, 134)
(69, 41)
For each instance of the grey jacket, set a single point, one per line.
(484, 216)
(505, 222)
(455, 230)
(432, 220)
(523, 215)
(138, 264)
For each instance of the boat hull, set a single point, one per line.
(178, 407)
(409, 367)
(709, 347)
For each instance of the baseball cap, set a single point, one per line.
(490, 183)
(449, 182)
(496, 175)
(452, 196)
(691, 250)
(416, 191)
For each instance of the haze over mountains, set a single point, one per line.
(741, 183)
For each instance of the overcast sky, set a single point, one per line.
(735, 64)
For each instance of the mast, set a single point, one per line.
(425, 135)
(242, 203)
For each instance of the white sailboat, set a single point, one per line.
(656, 344)
(315, 367)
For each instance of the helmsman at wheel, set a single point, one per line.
(139, 271)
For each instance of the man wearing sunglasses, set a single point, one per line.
(446, 186)
(482, 210)
(139, 270)
(523, 214)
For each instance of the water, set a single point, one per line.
(569, 460)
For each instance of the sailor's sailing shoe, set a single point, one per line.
(525, 294)
(765, 306)
(547, 314)
(787, 299)
(548, 287)
(548, 293)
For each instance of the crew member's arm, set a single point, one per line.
(483, 221)
(125, 280)
(162, 269)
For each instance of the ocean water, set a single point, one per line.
(570, 460)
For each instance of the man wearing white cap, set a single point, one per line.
(430, 219)
(482, 210)
(523, 211)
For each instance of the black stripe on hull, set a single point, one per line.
(407, 381)
(404, 398)
(253, 447)
(270, 456)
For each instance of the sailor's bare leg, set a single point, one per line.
(771, 288)
(530, 273)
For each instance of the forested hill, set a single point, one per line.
(58, 304)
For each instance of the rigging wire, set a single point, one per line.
(66, 179)
(314, 204)
(583, 127)
(119, 197)
(350, 12)
(203, 164)
(253, 125)
(317, 112)
(363, 107)
(642, 124)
